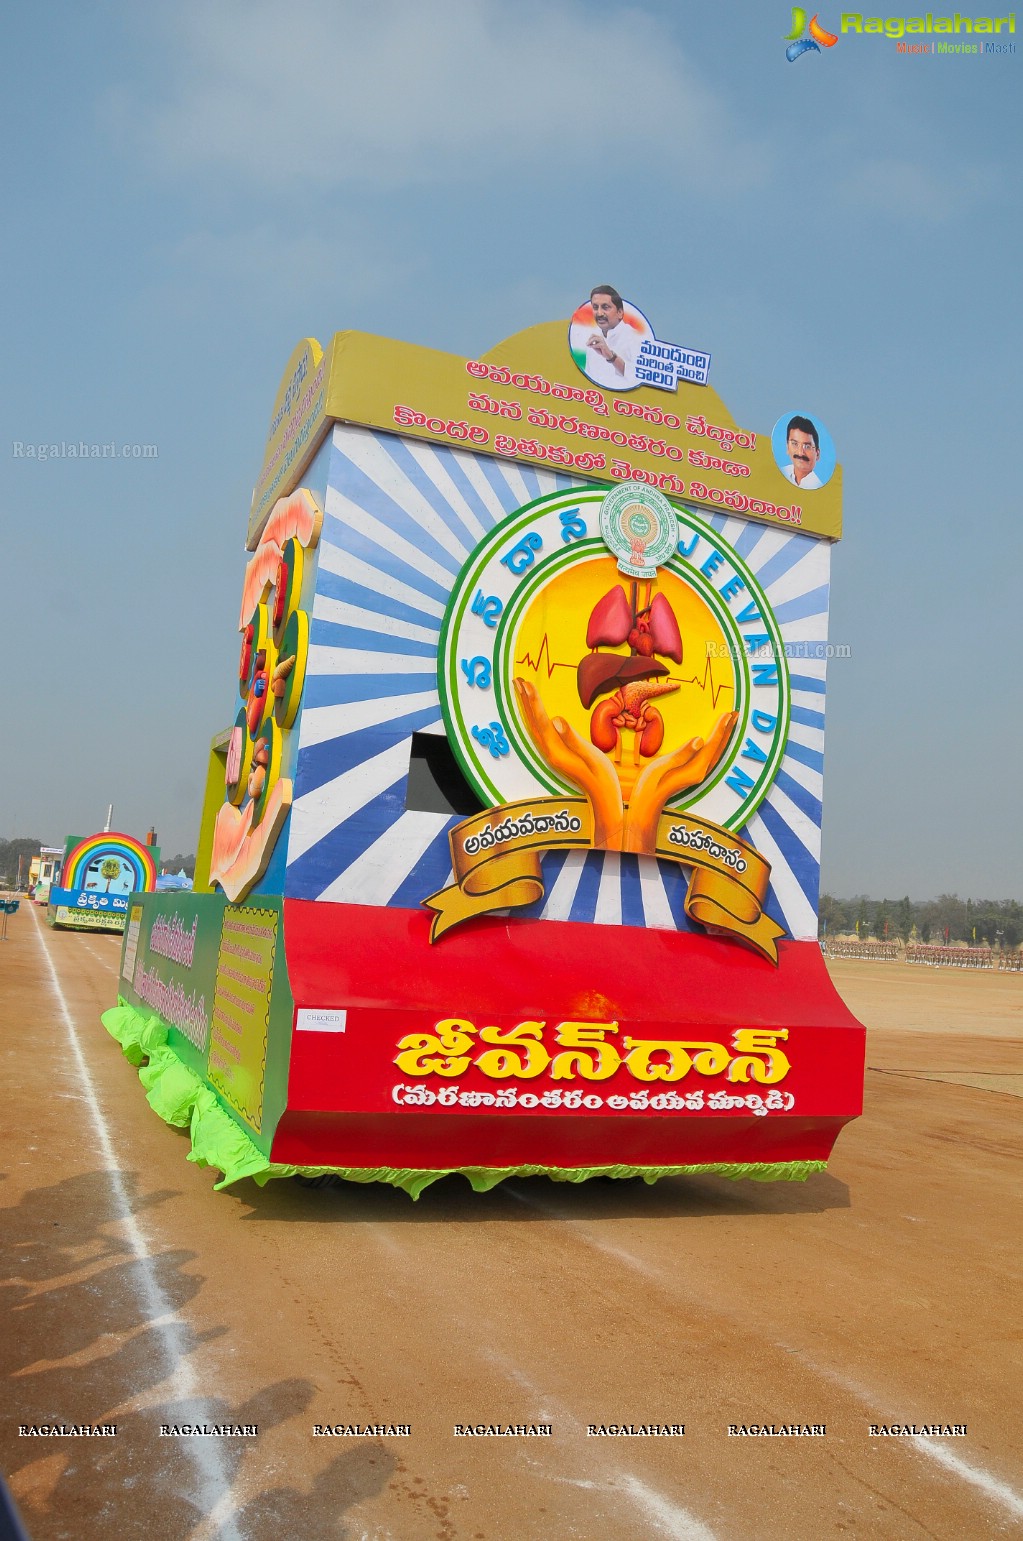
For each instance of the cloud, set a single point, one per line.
(409, 94)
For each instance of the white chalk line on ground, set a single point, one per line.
(107, 962)
(676, 1522)
(670, 1518)
(215, 1488)
(998, 1491)
(994, 1488)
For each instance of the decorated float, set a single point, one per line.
(97, 875)
(43, 871)
(509, 856)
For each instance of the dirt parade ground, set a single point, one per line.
(881, 1294)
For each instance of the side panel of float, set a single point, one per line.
(214, 976)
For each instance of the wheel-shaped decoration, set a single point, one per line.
(289, 674)
(267, 754)
(254, 640)
(255, 689)
(271, 677)
(287, 588)
(239, 760)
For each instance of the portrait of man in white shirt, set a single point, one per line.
(803, 445)
(613, 346)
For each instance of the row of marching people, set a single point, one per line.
(937, 954)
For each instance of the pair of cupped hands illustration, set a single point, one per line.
(617, 825)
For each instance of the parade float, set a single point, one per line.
(43, 870)
(97, 874)
(509, 852)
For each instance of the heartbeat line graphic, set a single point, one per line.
(536, 664)
(544, 661)
(706, 684)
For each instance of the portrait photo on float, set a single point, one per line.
(605, 336)
(803, 450)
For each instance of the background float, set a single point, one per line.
(97, 875)
(43, 871)
(509, 858)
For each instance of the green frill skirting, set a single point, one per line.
(182, 1098)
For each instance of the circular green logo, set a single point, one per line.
(634, 667)
(639, 526)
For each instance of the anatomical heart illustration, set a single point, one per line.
(630, 764)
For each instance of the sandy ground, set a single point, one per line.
(880, 1292)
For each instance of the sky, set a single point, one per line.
(190, 189)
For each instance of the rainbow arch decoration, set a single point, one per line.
(98, 876)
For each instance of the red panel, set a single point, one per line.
(446, 1142)
(350, 1103)
(357, 955)
(359, 1070)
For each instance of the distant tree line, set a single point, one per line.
(996, 922)
(10, 851)
(178, 864)
(991, 922)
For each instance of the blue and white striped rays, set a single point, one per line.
(793, 571)
(400, 519)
